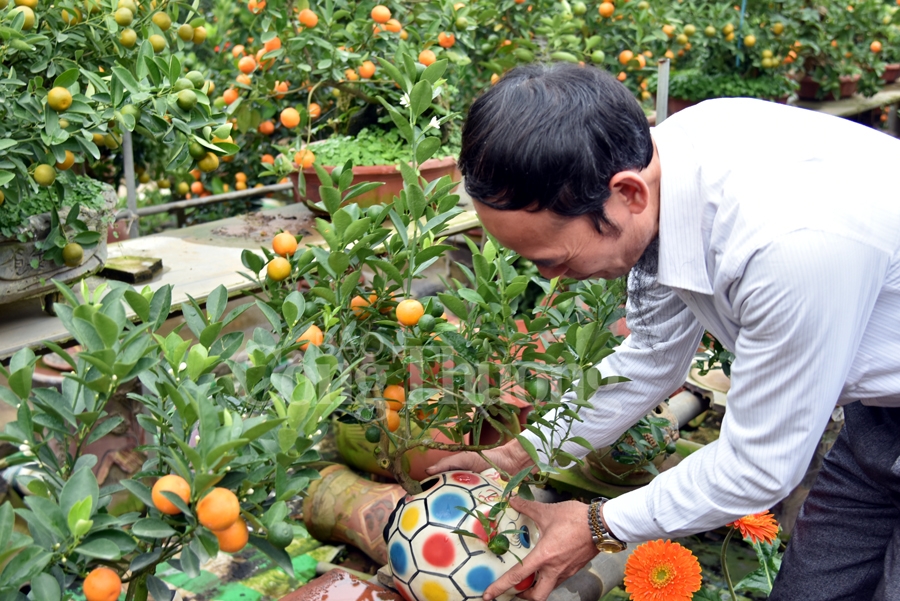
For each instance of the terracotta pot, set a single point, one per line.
(431, 170)
(343, 507)
(430, 562)
(360, 453)
(118, 231)
(891, 73)
(679, 104)
(809, 88)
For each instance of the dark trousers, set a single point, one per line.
(846, 544)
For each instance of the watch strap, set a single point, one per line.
(603, 540)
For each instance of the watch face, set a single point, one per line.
(609, 546)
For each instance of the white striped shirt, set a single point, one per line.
(779, 233)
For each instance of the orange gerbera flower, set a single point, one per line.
(760, 526)
(662, 571)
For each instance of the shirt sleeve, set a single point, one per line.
(655, 358)
(802, 304)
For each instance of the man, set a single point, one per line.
(774, 228)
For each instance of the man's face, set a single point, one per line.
(570, 246)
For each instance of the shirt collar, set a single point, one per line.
(682, 249)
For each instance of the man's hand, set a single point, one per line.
(564, 547)
(511, 458)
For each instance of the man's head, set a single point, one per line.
(559, 159)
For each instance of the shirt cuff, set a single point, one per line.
(629, 520)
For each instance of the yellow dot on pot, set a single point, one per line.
(433, 591)
(410, 518)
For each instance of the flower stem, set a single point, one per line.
(725, 564)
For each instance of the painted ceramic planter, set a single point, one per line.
(430, 562)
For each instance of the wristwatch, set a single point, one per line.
(603, 540)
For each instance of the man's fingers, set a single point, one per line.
(459, 461)
(511, 578)
(532, 509)
(540, 591)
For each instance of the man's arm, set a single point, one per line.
(802, 304)
(655, 358)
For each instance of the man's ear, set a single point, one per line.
(631, 189)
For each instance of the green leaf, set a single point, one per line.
(107, 329)
(434, 71)
(24, 566)
(138, 304)
(339, 262)
(139, 490)
(427, 148)
(100, 548)
(7, 521)
(66, 78)
(45, 587)
(416, 198)
(395, 74)
(255, 431)
(80, 511)
(215, 303)
(158, 589)
(82, 484)
(190, 563)
(331, 197)
(127, 80)
(252, 261)
(107, 426)
(87, 238)
(456, 306)
(280, 556)
(152, 528)
(420, 98)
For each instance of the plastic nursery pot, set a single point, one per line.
(431, 170)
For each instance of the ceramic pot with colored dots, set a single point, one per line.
(432, 563)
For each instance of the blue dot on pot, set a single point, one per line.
(399, 558)
(444, 509)
(480, 578)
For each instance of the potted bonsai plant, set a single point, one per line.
(230, 442)
(75, 78)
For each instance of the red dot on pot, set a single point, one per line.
(439, 550)
(525, 583)
(464, 478)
